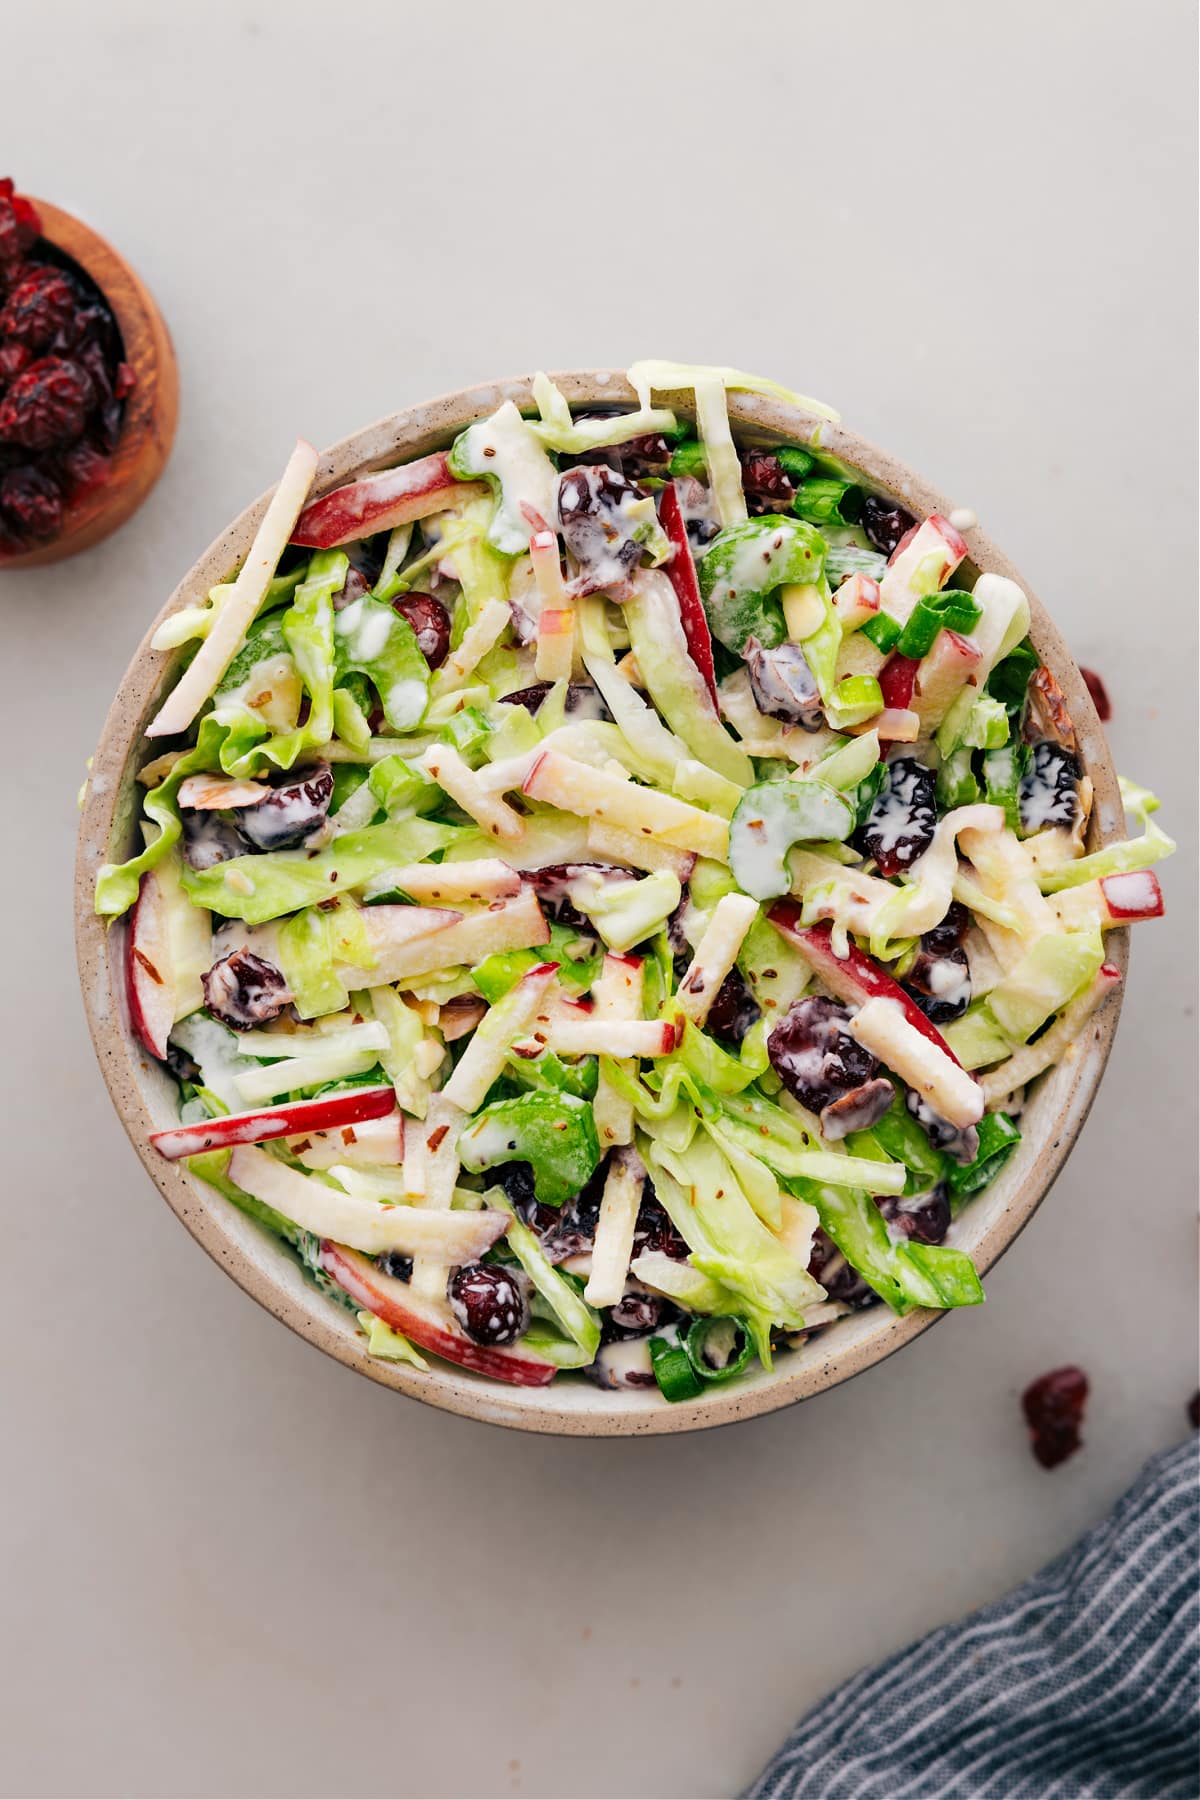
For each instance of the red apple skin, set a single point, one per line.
(854, 978)
(382, 501)
(429, 1326)
(328, 1110)
(897, 679)
(1131, 896)
(681, 572)
(150, 984)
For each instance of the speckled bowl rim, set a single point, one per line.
(143, 1094)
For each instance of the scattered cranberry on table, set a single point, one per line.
(63, 380)
(1053, 1407)
(1096, 688)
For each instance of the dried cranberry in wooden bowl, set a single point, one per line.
(146, 1099)
(89, 389)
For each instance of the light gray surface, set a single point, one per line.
(232, 1568)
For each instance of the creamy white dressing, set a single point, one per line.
(504, 447)
(963, 518)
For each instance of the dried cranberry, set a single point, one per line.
(573, 1231)
(13, 358)
(635, 1316)
(209, 839)
(814, 1055)
(1096, 688)
(783, 684)
(767, 485)
(399, 1267)
(649, 454)
(734, 1011)
(1049, 793)
(491, 1303)
(950, 932)
(352, 589)
(597, 508)
(244, 990)
(654, 1230)
(47, 405)
(431, 625)
(124, 381)
(1053, 1407)
(582, 699)
(553, 888)
(31, 502)
(84, 468)
(940, 983)
(20, 226)
(925, 1217)
(516, 1178)
(885, 523)
(291, 812)
(961, 1143)
(901, 823)
(41, 307)
(840, 1279)
(858, 1110)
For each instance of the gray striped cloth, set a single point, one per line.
(1081, 1683)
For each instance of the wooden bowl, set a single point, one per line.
(151, 410)
(146, 1098)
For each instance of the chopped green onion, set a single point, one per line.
(793, 462)
(717, 1337)
(826, 502)
(1009, 680)
(673, 1371)
(883, 632)
(868, 791)
(853, 701)
(468, 732)
(689, 458)
(998, 1138)
(953, 608)
(1002, 772)
(956, 783)
(899, 1136)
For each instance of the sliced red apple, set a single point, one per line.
(448, 884)
(243, 601)
(897, 678)
(429, 1323)
(382, 501)
(345, 1109)
(856, 601)
(942, 674)
(1136, 894)
(150, 982)
(452, 1237)
(681, 572)
(854, 978)
(1112, 900)
(516, 924)
(907, 575)
(894, 725)
(882, 1026)
(608, 1037)
(368, 1143)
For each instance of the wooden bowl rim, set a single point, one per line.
(141, 1093)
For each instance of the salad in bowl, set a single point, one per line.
(607, 888)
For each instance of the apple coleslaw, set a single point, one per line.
(607, 888)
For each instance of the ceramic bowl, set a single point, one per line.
(145, 1097)
(151, 411)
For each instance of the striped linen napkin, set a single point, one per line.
(1081, 1683)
